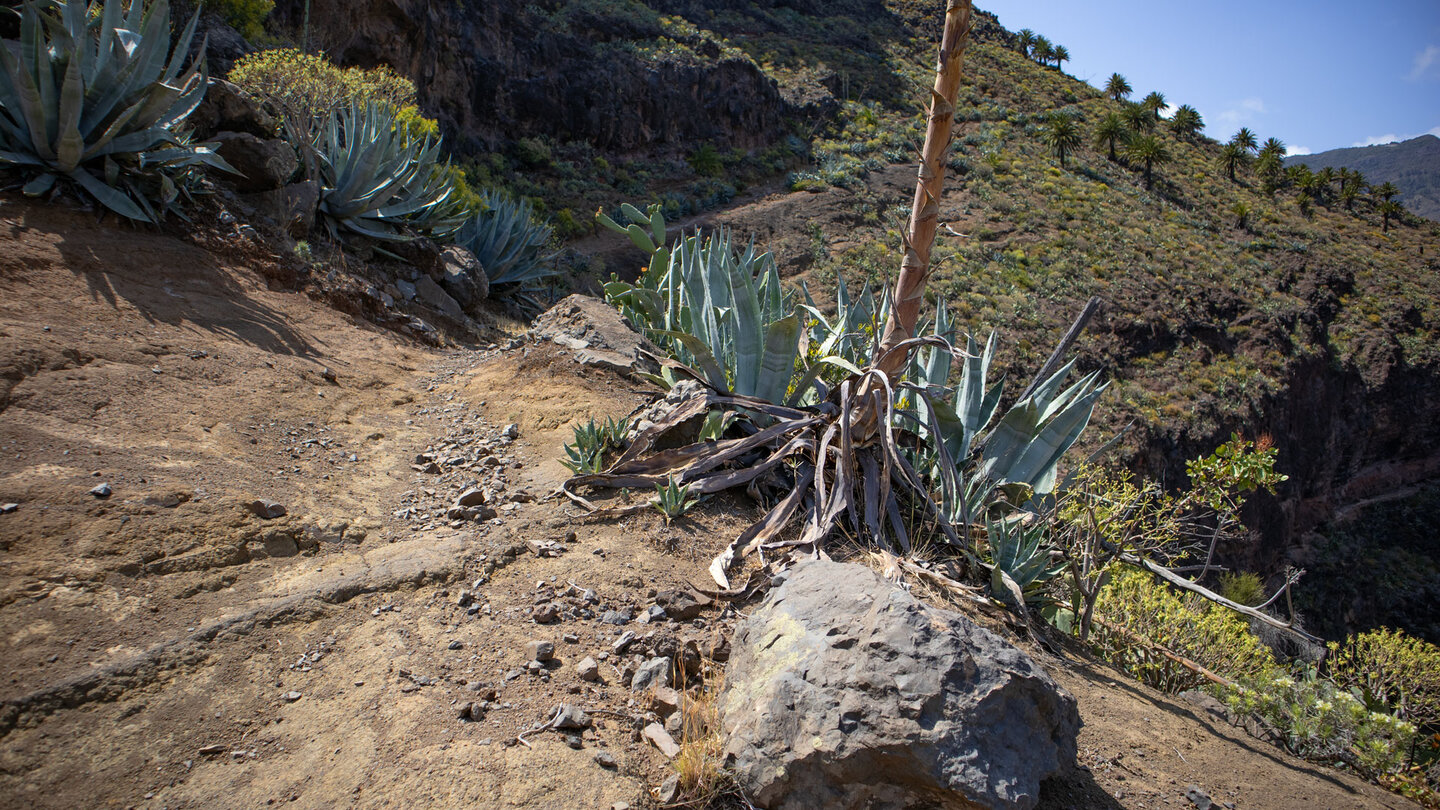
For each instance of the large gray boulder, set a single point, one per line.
(597, 333)
(843, 691)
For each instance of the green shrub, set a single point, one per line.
(245, 16)
(1316, 720)
(307, 88)
(82, 101)
(1187, 625)
(1393, 670)
(1242, 588)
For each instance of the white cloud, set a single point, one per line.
(1243, 112)
(1424, 61)
(1300, 150)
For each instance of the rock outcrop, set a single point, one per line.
(844, 691)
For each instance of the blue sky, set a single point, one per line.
(1317, 75)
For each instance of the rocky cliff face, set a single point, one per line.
(502, 69)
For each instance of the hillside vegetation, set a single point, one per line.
(1413, 166)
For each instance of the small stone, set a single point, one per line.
(588, 670)
(621, 644)
(574, 741)
(662, 740)
(665, 701)
(456, 645)
(620, 806)
(210, 750)
(570, 638)
(547, 613)
(511, 431)
(1199, 798)
(464, 598)
(466, 710)
(539, 650)
(101, 491)
(534, 667)
(606, 760)
(471, 497)
(654, 614)
(617, 617)
(669, 790)
(6, 509)
(291, 697)
(655, 672)
(266, 510)
(571, 717)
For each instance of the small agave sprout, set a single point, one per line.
(673, 500)
(587, 453)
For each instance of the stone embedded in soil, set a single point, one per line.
(680, 605)
(669, 790)
(588, 670)
(606, 760)
(6, 509)
(101, 491)
(661, 739)
(474, 496)
(846, 691)
(540, 650)
(655, 672)
(665, 701)
(266, 510)
(547, 613)
(570, 717)
(621, 644)
(291, 697)
(617, 617)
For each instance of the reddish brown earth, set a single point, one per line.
(152, 643)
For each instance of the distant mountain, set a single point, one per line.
(1413, 166)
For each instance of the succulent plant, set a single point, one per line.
(93, 93)
(673, 499)
(1017, 551)
(378, 181)
(508, 240)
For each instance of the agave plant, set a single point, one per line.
(93, 93)
(378, 181)
(673, 499)
(508, 240)
(1018, 556)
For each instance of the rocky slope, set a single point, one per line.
(168, 646)
(1309, 323)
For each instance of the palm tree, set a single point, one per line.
(1389, 209)
(1186, 123)
(1245, 139)
(1109, 131)
(1232, 157)
(1025, 39)
(1349, 193)
(1273, 146)
(1149, 150)
(1242, 215)
(1061, 55)
(1155, 102)
(1138, 118)
(1385, 190)
(1062, 135)
(1117, 88)
(1042, 51)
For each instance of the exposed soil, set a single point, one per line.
(166, 647)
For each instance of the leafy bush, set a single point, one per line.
(91, 96)
(1316, 720)
(245, 16)
(378, 182)
(307, 89)
(508, 239)
(1187, 625)
(1391, 669)
(1242, 588)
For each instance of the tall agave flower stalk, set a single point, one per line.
(925, 209)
